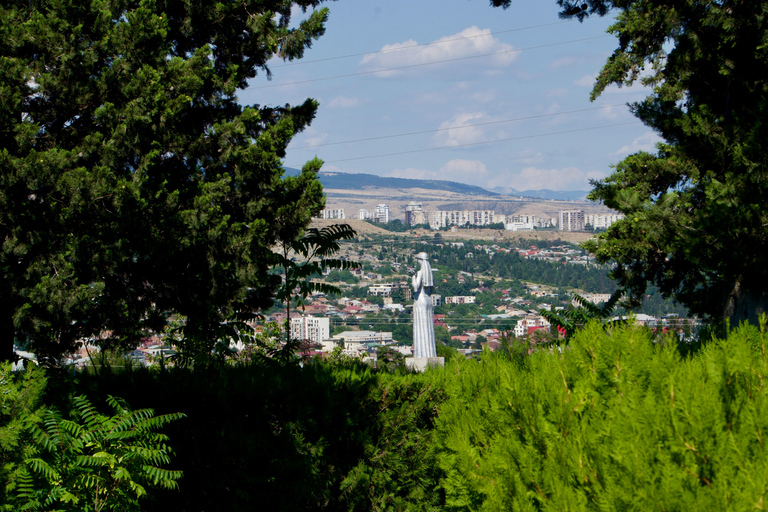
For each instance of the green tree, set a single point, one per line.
(695, 211)
(696, 216)
(132, 183)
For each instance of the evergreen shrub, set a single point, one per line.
(615, 422)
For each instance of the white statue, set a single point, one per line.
(423, 323)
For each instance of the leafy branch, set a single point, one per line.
(314, 249)
(94, 462)
(570, 319)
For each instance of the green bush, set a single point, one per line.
(333, 435)
(615, 422)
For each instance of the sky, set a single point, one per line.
(457, 90)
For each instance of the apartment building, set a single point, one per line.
(571, 220)
(310, 328)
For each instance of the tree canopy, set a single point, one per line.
(696, 218)
(132, 182)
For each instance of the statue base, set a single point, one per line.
(419, 364)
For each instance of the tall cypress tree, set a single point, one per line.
(132, 182)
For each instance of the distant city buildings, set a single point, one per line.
(577, 220)
(310, 328)
(381, 213)
(332, 214)
(571, 220)
(460, 299)
(436, 219)
(603, 221)
(410, 215)
(529, 324)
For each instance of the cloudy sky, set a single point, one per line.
(457, 90)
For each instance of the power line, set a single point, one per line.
(418, 45)
(511, 120)
(409, 66)
(507, 139)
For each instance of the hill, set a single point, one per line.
(360, 181)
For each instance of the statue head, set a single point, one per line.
(422, 256)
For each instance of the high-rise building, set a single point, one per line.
(332, 214)
(571, 220)
(413, 212)
(310, 328)
(381, 214)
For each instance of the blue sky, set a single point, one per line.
(457, 90)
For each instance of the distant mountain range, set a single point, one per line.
(562, 195)
(350, 181)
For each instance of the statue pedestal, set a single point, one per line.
(420, 364)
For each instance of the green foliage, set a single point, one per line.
(93, 462)
(333, 435)
(572, 318)
(696, 220)
(20, 405)
(389, 360)
(315, 249)
(615, 422)
(399, 469)
(132, 183)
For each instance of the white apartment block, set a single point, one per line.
(381, 213)
(382, 289)
(314, 329)
(437, 300)
(332, 214)
(519, 226)
(594, 298)
(603, 221)
(441, 219)
(527, 323)
(571, 220)
(364, 214)
(460, 299)
(364, 337)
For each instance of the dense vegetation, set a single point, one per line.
(617, 421)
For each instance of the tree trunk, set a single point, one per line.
(742, 305)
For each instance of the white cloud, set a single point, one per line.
(457, 130)
(562, 62)
(304, 141)
(585, 81)
(645, 142)
(528, 157)
(534, 178)
(469, 42)
(344, 102)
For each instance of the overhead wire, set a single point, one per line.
(410, 66)
(457, 127)
(470, 144)
(416, 45)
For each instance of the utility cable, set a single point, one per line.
(458, 127)
(418, 45)
(506, 139)
(410, 66)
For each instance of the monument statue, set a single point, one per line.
(423, 323)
